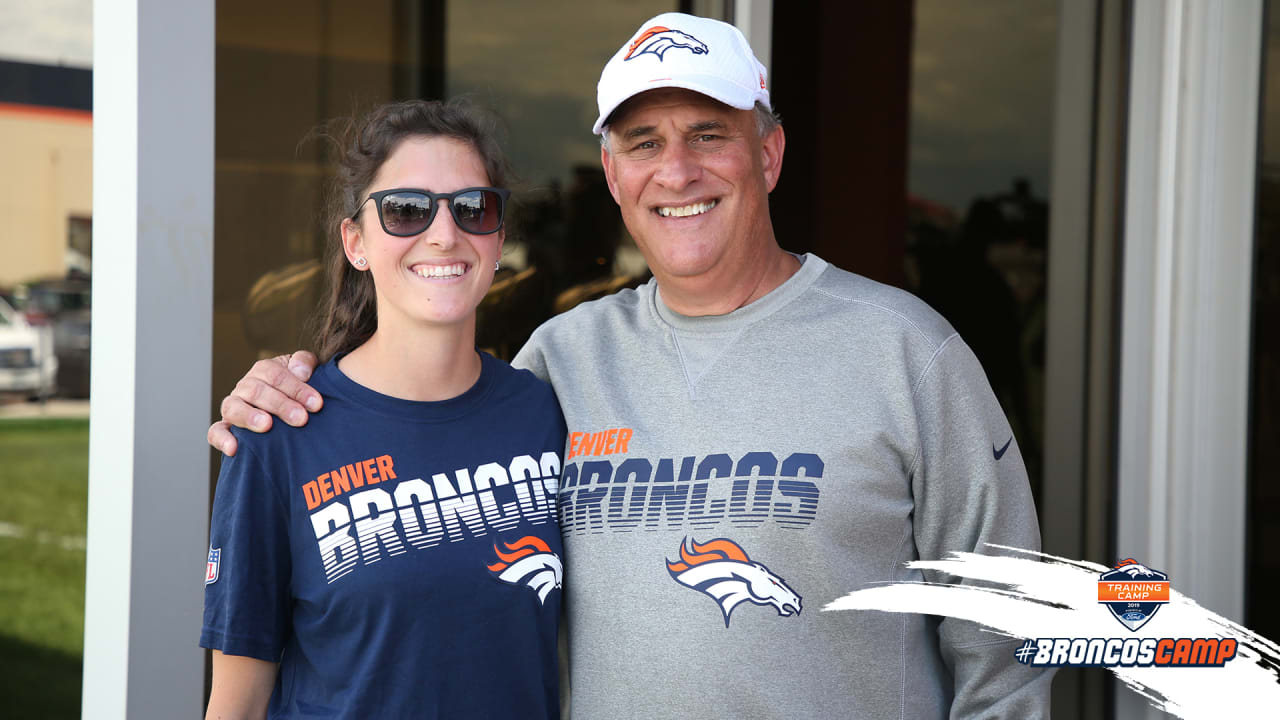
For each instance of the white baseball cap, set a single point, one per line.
(682, 51)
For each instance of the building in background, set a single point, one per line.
(46, 186)
(46, 178)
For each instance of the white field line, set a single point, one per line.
(66, 542)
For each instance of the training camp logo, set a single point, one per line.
(721, 569)
(1132, 592)
(531, 563)
(658, 40)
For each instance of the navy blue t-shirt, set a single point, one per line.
(397, 558)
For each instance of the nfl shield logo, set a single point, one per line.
(1133, 592)
(211, 572)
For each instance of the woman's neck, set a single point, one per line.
(421, 363)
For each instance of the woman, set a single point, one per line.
(399, 555)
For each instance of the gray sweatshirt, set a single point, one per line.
(727, 476)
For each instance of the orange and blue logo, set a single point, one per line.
(530, 562)
(1133, 592)
(658, 40)
(721, 569)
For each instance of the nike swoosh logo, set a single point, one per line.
(1000, 453)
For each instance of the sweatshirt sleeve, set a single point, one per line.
(970, 489)
(532, 358)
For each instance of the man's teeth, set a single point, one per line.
(686, 210)
(441, 271)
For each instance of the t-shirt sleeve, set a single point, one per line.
(971, 491)
(247, 585)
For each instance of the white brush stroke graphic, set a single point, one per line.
(1040, 595)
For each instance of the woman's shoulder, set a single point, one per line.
(519, 383)
(270, 446)
(281, 441)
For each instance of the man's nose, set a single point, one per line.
(679, 167)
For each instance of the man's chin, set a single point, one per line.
(684, 268)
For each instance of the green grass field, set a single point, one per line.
(44, 474)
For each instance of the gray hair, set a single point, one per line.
(766, 122)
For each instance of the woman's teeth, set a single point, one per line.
(441, 271)
(686, 210)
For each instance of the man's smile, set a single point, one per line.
(686, 210)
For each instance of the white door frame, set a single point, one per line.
(153, 95)
(1185, 313)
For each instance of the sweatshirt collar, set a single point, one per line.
(811, 266)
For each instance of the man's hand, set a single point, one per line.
(272, 387)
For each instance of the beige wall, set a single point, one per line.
(46, 177)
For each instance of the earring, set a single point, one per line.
(361, 262)
(497, 265)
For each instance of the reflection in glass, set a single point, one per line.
(978, 168)
(1263, 505)
(538, 67)
(299, 63)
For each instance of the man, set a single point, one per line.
(752, 435)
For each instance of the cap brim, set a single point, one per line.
(734, 96)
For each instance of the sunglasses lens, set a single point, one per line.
(406, 213)
(478, 211)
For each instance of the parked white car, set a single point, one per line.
(28, 365)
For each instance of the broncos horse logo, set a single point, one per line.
(530, 562)
(658, 40)
(720, 568)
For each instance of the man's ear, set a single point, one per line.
(606, 161)
(771, 149)
(353, 242)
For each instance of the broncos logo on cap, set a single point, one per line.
(720, 568)
(658, 40)
(530, 562)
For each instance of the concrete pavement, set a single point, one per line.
(56, 408)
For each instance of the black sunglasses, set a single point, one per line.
(404, 212)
